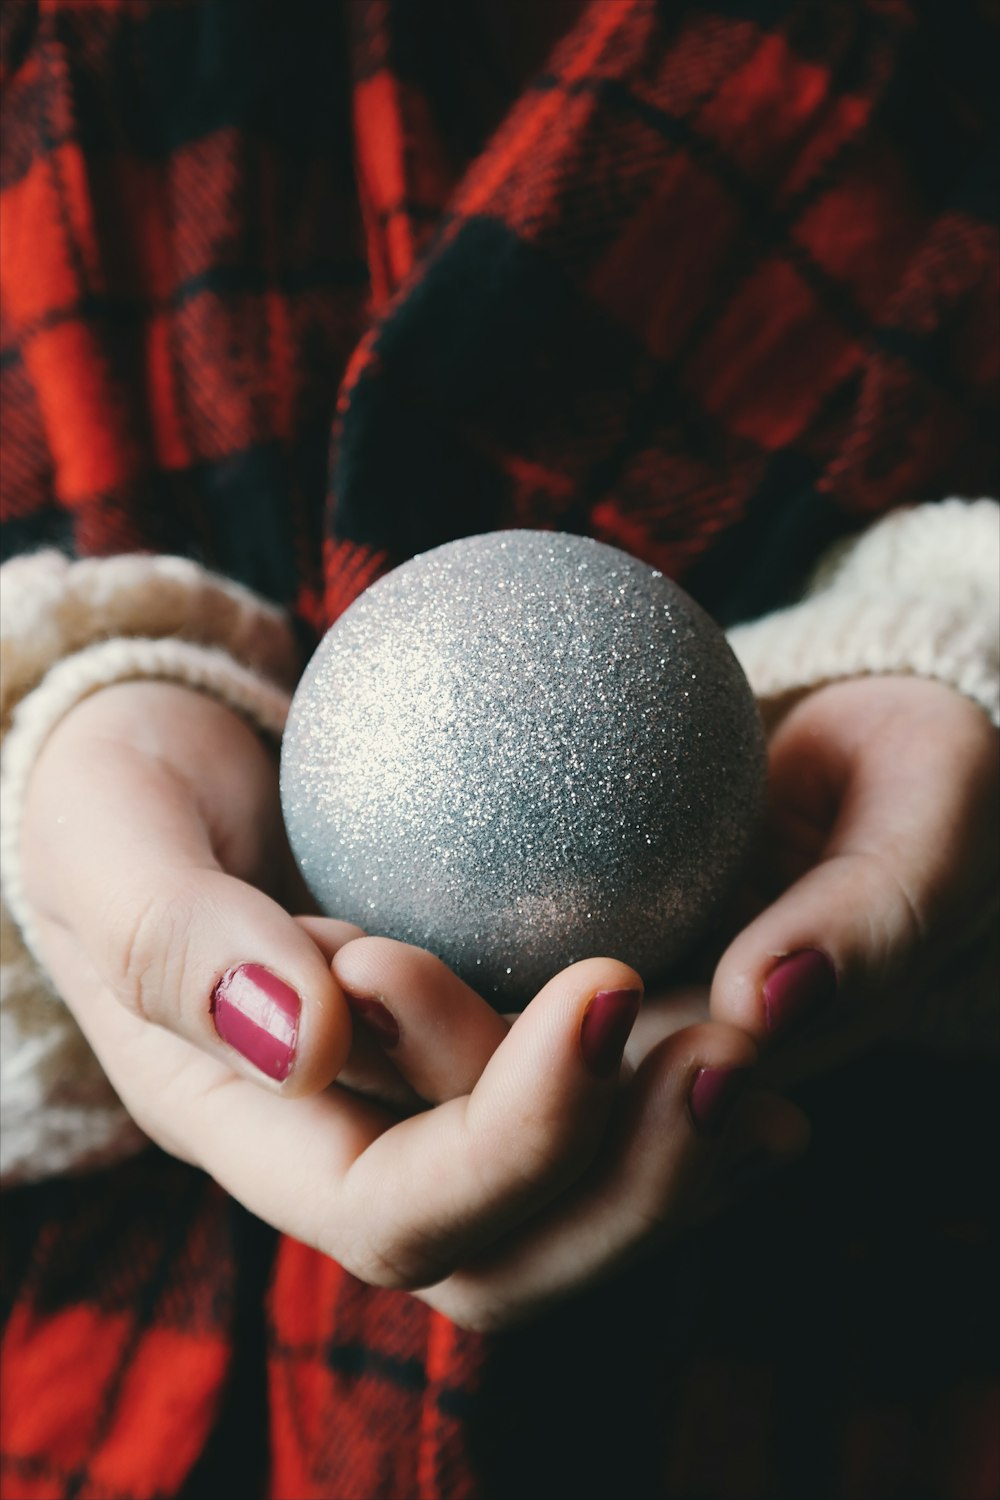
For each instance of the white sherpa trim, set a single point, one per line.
(58, 1111)
(51, 607)
(919, 593)
(66, 630)
(70, 681)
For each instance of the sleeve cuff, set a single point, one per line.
(919, 593)
(68, 629)
(202, 667)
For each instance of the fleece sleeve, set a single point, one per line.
(66, 630)
(919, 592)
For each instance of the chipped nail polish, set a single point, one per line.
(605, 1029)
(258, 1014)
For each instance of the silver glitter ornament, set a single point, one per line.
(519, 750)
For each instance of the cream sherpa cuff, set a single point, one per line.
(205, 668)
(919, 593)
(69, 629)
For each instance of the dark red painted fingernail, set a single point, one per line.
(604, 1031)
(258, 1014)
(713, 1094)
(377, 1018)
(798, 989)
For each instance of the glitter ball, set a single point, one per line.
(523, 749)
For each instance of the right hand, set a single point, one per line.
(488, 1166)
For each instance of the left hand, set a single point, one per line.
(879, 862)
(877, 867)
(882, 861)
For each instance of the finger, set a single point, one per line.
(530, 1127)
(288, 1162)
(396, 1204)
(128, 868)
(901, 856)
(664, 1014)
(762, 1124)
(765, 1134)
(662, 1146)
(278, 1156)
(439, 1033)
(328, 934)
(368, 1070)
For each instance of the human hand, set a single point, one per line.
(517, 1170)
(881, 866)
(625, 1167)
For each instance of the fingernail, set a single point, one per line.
(258, 1014)
(798, 989)
(375, 1016)
(713, 1094)
(604, 1031)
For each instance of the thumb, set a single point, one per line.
(218, 962)
(118, 860)
(878, 790)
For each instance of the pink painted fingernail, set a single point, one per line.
(377, 1017)
(605, 1029)
(713, 1094)
(258, 1014)
(798, 989)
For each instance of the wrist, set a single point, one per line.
(203, 672)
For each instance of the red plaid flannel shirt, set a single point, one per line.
(300, 290)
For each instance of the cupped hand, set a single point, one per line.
(510, 1163)
(156, 867)
(881, 864)
(606, 1160)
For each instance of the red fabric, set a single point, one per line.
(706, 256)
(299, 292)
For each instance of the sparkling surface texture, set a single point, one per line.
(519, 750)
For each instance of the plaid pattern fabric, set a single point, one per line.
(836, 1338)
(300, 290)
(720, 284)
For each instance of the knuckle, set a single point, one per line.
(890, 915)
(401, 1260)
(546, 1155)
(163, 1113)
(148, 940)
(901, 921)
(911, 918)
